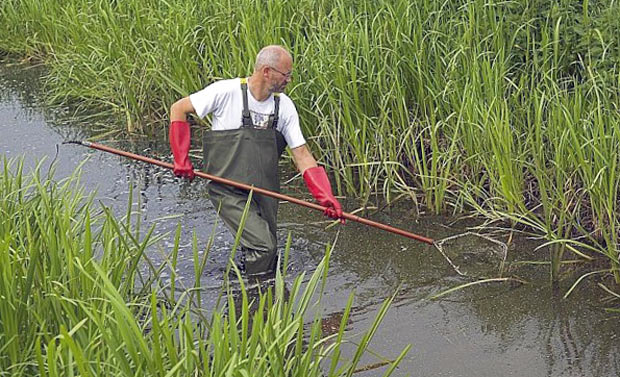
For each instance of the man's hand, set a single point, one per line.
(320, 188)
(180, 136)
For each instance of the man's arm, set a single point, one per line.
(180, 109)
(317, 181)
(303, 158)
(179, 136)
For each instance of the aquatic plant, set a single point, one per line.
(80, 296)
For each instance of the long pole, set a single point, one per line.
(257, 190)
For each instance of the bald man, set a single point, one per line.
(253, 121)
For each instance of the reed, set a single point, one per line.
(509, 108)
(76, 300)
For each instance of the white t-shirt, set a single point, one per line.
(223, 99)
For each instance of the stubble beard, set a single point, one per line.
(275, 88)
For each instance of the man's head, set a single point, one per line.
(274, 65)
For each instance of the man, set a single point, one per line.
(252, 122)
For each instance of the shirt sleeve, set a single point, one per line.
(290, 128)
(209, 99)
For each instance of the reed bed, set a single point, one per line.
(510, 108)
(75, 300)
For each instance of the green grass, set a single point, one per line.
(506, 107)
(76, 301)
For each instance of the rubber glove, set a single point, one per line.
(179, 137)
(320, 188)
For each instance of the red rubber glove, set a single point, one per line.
(179, 137)
(319, 186)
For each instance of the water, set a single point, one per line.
(487, 330)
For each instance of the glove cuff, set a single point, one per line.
(317, 182)
(179, 137)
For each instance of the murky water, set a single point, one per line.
(487, 330)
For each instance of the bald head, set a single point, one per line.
(271, 56)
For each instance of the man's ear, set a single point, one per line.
(265, 71)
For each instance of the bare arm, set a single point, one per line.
(180, 109)
(303, 158)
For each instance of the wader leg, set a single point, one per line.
(258, 241)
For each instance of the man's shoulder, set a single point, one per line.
(225, 85)
(286, 101)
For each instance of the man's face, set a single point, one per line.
(280, 75)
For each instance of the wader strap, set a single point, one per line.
(245, 114)
(273, 118)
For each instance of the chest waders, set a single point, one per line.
(249, 155)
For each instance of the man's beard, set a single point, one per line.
(277, 88)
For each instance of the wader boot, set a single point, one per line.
(249, 155)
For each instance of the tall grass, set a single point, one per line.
(510, 108)
(76, 302)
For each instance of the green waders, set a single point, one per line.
(248, 155)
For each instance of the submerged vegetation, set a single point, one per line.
(507, 107)
(75, 300)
